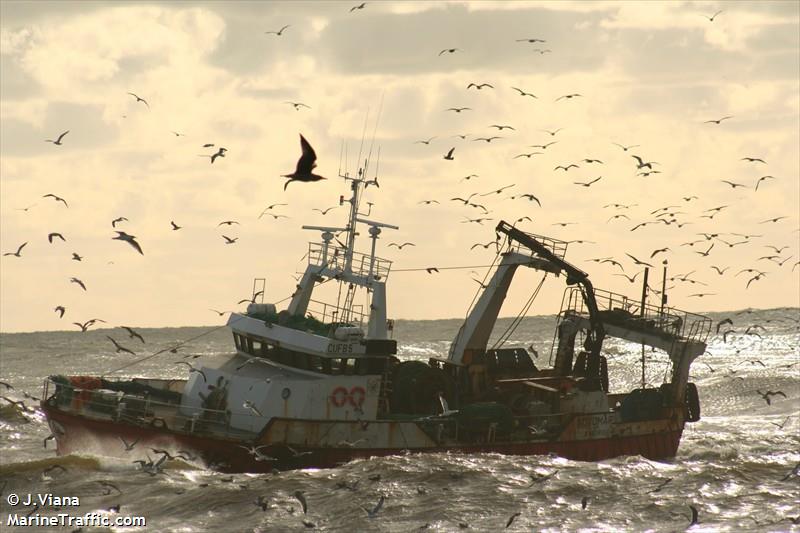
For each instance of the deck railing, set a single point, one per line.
(623, 310)
(336, 260)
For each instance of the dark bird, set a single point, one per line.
(400, 246)
(130, 239)
(767, 395)
(359, 6)
(776, 219)
(563, 224)
(279, 32)
(529, 197)
(119, 347)
(132, 334)
(711, 19)
(717, 121)
(428, 141)
(297, 105)
(723, 322)
(128, 445)
(192, 369)
(631, 279)
(325, 211)
(118, 219)
(753, 160)
(450, 51)
(175, 227)
(138, 99)
(220, 313)
(485, 246)
(305, 165)
(449, 155)
(762, 178)
(660, 250)
(86, 325)
(732, 184)
(528, 155)
(588, 184)
(501, 127)
(660, 486)
(623, 215)
(480, 86)
(568, 96)
(56, 198)
(19, 249)
(177, 134)
(642, 164)
(498, 191)
(487, 139)
(61, 310)
(781, 425)
(523, 93)
(531, 41)
(639, 262)
(695, 519)
(626, 148)
(374, 511)
(720, 272)
(588, 160)
(428, 202)
(76, 257)
(229, 240)
(553, 133)
(701, 294)
(302, 499)
(566, 168)
(431, 270)
(219, 153)
(227, 223)
(458, 109)
(51, 236)
(58, 140)
(511, 519)
(705, 254)
(542, 146)
(79, 282)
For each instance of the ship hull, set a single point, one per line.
(75, 434)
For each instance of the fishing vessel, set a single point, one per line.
(318, 384)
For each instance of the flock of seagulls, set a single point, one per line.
(641, 166)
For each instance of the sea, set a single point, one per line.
(738, 466)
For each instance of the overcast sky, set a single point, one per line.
(648, 73)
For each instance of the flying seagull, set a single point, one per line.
(130, 239)
(138, 99)
(305, 165)
(119, 347)
(279, 32)
(58, 140)
(56, 198)
(19, 249)
(298, 105)
(449, 155)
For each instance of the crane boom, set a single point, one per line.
(594, 338)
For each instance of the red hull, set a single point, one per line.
(83, 435)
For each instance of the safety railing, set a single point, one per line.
(330, 313)
(336, 259)
(555, 246)
(628, 312)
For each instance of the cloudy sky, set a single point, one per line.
(648, 73)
